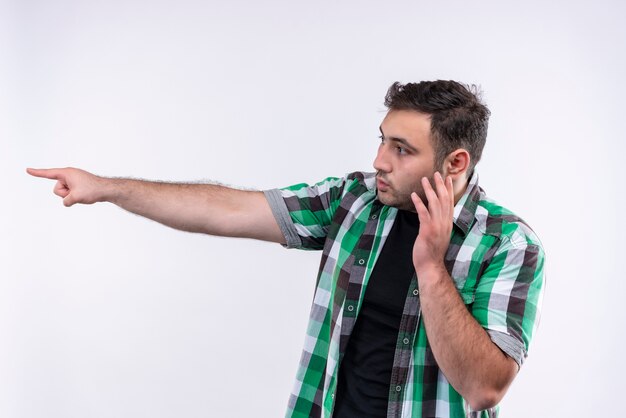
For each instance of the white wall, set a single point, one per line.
(104, 314)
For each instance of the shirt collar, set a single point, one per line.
(465, 209)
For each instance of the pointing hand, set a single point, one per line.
(73, 185)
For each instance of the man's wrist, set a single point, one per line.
(431, 273)
(110, 190)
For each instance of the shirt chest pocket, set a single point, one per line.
(467, 296)
(467, 258)
(465, 269)
(466, 286)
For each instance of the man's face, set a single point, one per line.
(405, 155)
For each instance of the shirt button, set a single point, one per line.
(398, 388)
(374, 216)
(350, 308)
(416, 292)
(332, 395)
(406, 341)
(362, 261)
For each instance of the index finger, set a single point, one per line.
(443, 192)
(48, 173)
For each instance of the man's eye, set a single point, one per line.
(382, 138)
(401, 150)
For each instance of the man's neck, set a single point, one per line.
(459, 187)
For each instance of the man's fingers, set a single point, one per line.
(434, 206)
(444, 194)
(48, 173)
(68, 201)
(61, 189)
(442, 191)
(450, 188)
(420, 208)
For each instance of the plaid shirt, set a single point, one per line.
(494, 258)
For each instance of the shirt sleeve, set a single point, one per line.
(304, 213)
(509, 294)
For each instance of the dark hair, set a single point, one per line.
(458, 117)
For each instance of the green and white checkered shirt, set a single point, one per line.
(494, 258)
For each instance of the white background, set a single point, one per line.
(104, 314)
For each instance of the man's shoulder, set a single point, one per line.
(364, 178)
(358, 183)
(353, 188)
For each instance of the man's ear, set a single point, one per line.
(457, 163)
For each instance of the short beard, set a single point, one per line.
(405, 202)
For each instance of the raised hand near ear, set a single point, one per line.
(433, 239)
(74, 185)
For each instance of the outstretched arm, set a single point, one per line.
(471, 362)
(206, 208)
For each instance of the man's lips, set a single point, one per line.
(381, 184)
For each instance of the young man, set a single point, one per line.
(428, 292)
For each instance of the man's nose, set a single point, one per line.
(381, 162)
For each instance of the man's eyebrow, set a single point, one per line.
(396, 139)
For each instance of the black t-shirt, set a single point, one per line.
(365, 371)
